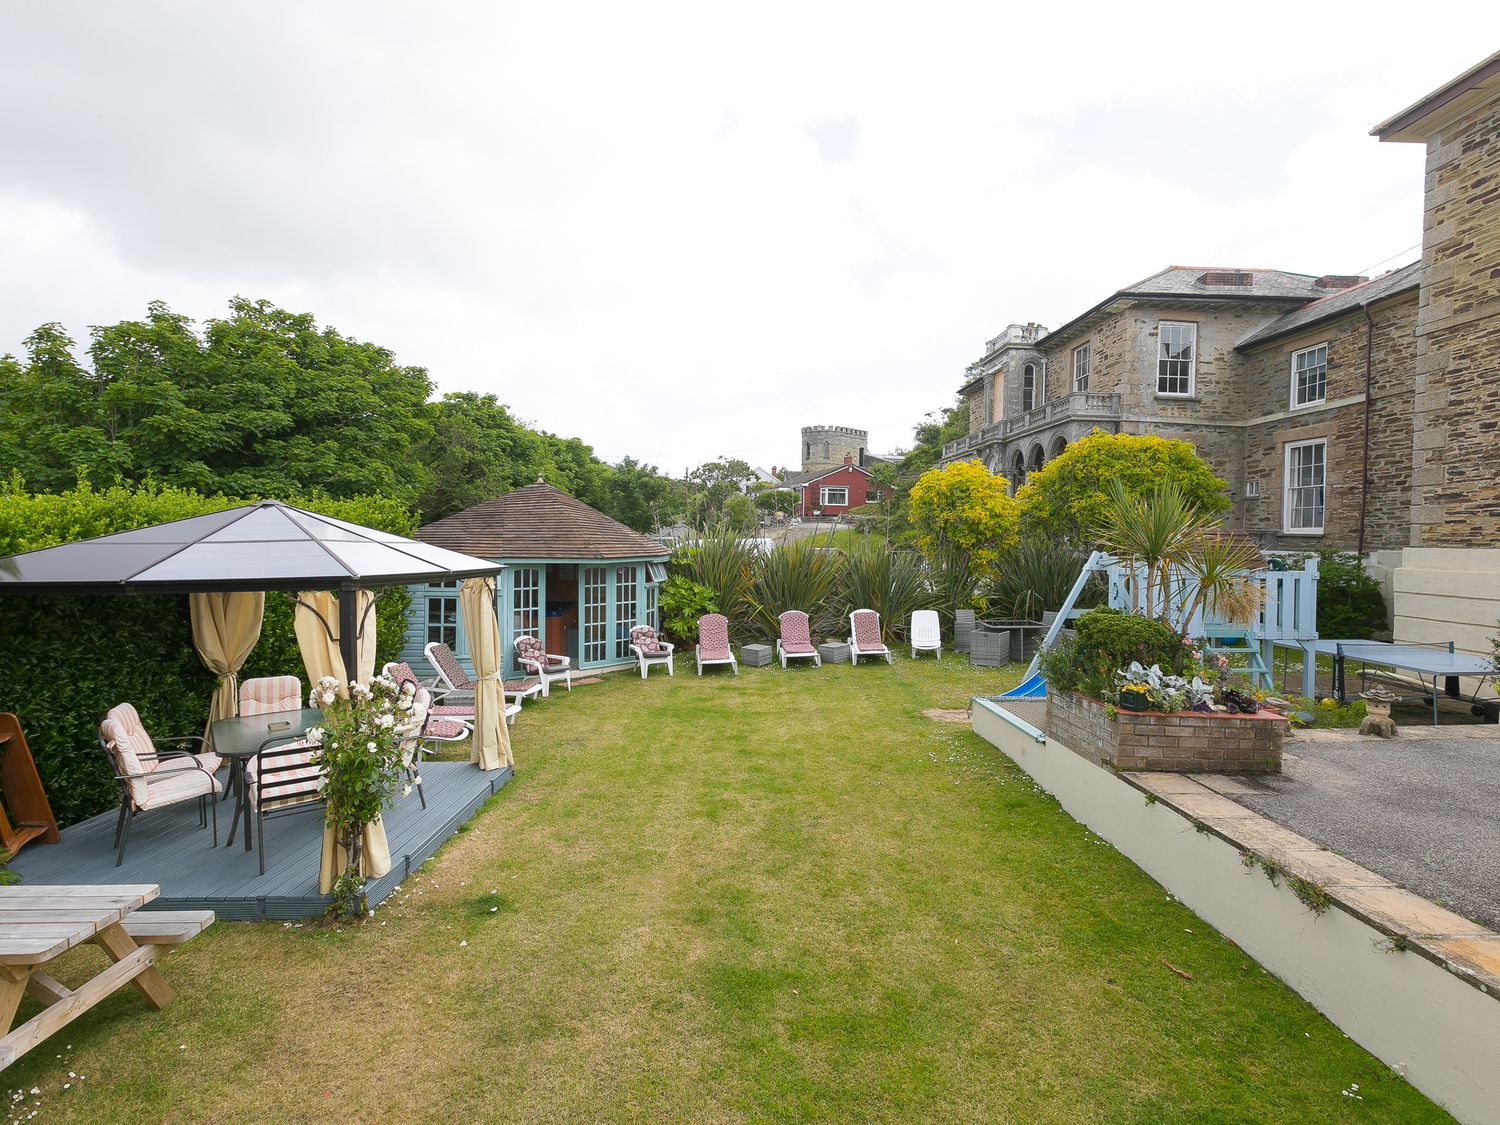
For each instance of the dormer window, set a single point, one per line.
(1238, 279)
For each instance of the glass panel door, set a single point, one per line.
(624, 610)
(595, 614)
(526, 603)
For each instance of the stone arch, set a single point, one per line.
(1018, 468)
(1037, 459)
(1059, 443)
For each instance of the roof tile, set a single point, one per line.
(539, 522)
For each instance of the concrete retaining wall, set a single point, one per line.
(1440, 1031)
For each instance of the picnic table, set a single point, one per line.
(39, 923)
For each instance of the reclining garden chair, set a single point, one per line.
(153, 779)
(864, 636)
(424, 727)
(270, 694)
(542, 664)
(795, 642)
(459, 704)
(713, 643)
(650, 649)
(926, 633)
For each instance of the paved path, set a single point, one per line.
(1422, 810)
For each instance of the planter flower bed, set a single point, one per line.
(1184, 741)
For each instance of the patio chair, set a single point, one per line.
(282, 779)
(270, 694)
(713, 643)
(795, 642)
(864, 636)
(650, 649)
(151, 778)
(926, 633)
(542, 664)
(426, 728)
(461, 707)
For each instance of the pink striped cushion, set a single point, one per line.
(443, 728)
(713, 637)
(450, 709)
(867, 631)
(270, 694)
(292, 762)
(795, 634)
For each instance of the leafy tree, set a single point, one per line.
(1066, 500)
(714, 483)
(639, 496)
(476, 451)
(781, 500)
(963, 509)
(934, 432)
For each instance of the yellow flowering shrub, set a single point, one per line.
(965, 508)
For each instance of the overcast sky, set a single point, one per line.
(684, 231)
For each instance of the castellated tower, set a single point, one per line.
(824, 447)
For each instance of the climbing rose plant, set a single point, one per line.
(363, 742)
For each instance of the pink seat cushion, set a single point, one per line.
(867, 631)
(176, 783)
(644, 638)
(713, 637)
(443, 728)
(795, 634)
(452, 671)
(291, 762)
(451, 710)
(270, 694)
(400, 671)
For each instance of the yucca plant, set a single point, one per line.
(725, 563)
(1218, 562)
(891, 582)
(1035, 576)
(796, 575)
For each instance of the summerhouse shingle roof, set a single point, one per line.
(539, 522)
(1347, 300)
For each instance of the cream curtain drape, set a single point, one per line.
(225, 629)
(320, 646)
(490, 748)
(321, 657)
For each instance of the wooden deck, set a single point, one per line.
(168, 848)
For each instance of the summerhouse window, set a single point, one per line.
(1309, 376)
(1306, 487)
(653, 612)
(442, 620)
(527, 603)
(833, 497)
(656, 572)
(625, 606)
(1177, 358)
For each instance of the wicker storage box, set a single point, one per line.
(990, 648)
(834, 653)
(963, 629)
(755, 656)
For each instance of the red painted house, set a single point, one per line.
(831, 492)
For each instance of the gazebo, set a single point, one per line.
(226, 562)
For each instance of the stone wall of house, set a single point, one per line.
(1340, 419)
(1186, 742)
(824, 447)
(1456, 475)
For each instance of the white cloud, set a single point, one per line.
(676, 231)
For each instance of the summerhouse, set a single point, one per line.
(574, 578)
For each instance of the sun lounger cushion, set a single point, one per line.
(867, 631)
(796, 637)
(713, 637)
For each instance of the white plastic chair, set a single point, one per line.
(864, 637)
(926, 633)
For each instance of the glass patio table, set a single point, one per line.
(240, 739)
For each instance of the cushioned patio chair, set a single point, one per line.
(545, 666)
(270, 694)
(650, 649)
(282, 779)
(795, 642)
(864, 636)
(926, 633)
(713, 643)
(151, 778)
(459, 704)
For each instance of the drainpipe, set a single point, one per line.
(1364, 491)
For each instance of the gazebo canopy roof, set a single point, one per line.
(263, 546)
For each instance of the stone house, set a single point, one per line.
(1343, 412)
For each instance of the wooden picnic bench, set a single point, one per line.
(39, 923)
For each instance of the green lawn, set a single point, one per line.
(786, 895)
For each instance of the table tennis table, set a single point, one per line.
(1439, 662)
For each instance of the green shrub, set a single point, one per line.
(891, 582)
(65, 661)
(1035, 576)
(683, 601)
(1106, 641)
(796, 575)
(1350, 603)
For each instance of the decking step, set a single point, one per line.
(167, 927)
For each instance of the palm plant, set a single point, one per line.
(796, 575)
(1034, 576)
(725, 563)
(891, 582)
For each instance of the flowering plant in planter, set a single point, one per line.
(362, 750)
(1138, 688)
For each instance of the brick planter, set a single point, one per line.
(1187, 741)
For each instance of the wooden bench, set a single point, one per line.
(167, 927)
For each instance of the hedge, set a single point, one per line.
(65, 661)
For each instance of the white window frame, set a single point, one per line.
(1035, 369)
(1192, 372)
(1082, 352)
(824, 492)
(1287, 487)
(1322, 398)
